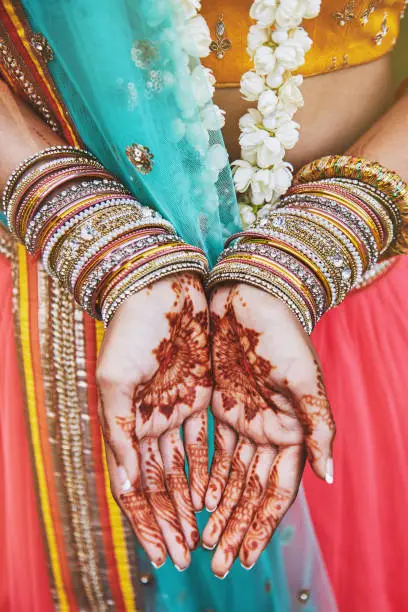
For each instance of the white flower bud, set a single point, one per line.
(275, 78)
(264, 60)
(288, 134)
(290, 13)
(202, 87)
(247, 215)
(252, 85)
(262, 186)
(212, 117)
(257, 36)
(250, 120)
(312, 8)
(267, 102)
(263, 11)
(270, 152)
(290, 98)
(282, 178)
(190, 7)
(195, 37)
(243, 173)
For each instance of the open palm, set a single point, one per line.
(154, 376)
(270, 409)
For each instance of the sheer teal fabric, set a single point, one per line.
(121, 71)
(124, 80)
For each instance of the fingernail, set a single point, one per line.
(246, 567)
(222, 577)
(208, 547)
(329, 476)
(158, 565)
(210, 508)
(180, 569)
(125, 484)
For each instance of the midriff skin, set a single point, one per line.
(339, 107)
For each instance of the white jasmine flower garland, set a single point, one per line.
(277, 44)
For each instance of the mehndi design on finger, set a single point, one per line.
(198, 461)
(180, 494)
(221, 462)
(276, 501)
(141, 517)
(155, 489)
(232, 493)
(314, 410)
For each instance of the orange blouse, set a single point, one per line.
(345, 33)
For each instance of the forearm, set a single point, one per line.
(386, 141)
(22, 133)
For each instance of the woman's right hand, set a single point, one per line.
(154, 376)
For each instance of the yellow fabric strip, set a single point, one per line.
(21, 33)
(118, 535)
(35, 436)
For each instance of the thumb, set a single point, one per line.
(320, 431)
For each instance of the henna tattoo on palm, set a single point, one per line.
(183, 360)
(240, 373)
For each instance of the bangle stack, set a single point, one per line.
(340, 218)
(93, 235)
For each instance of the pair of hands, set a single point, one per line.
(269, 404)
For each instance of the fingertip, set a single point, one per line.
(212, 498)
(329, 473)
(158, 561)
(197, 501)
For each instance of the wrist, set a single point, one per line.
(333, 225)
(96, 238)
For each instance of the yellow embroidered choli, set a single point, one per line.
(343, 34)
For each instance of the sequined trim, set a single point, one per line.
(42, 47)
(6, 243)
(140, 157)
(21, 80)
(24, 66)
(346, 14)
(71, 442)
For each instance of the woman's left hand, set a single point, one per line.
(271, 410)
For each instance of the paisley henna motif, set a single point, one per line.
(183, 364)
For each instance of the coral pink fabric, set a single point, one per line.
(360, 520)
(24, 583)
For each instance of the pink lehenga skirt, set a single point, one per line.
(360, 521)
